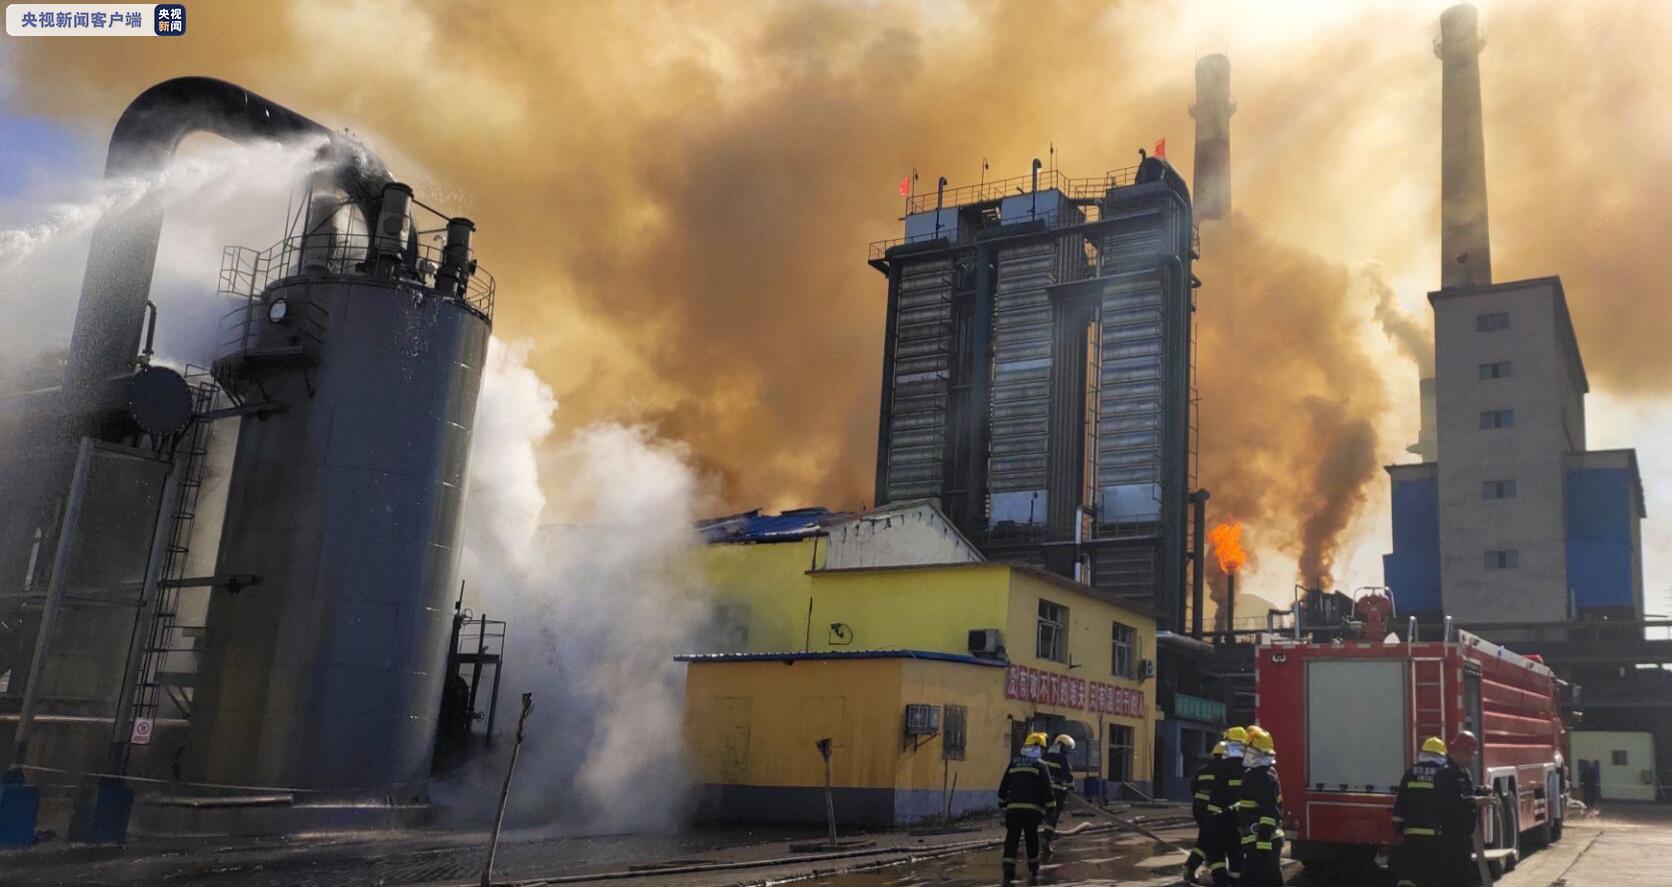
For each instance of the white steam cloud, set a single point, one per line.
(214, 194)
(597, 586)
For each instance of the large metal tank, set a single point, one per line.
(345, 506)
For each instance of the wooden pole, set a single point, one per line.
(505, 792)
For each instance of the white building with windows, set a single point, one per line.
(1516, 520)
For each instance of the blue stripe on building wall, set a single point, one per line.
(1601, 503)
(1413, 569)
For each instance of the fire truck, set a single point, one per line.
(1349, 716)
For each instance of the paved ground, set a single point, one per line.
(1627, 846)
(721, 857)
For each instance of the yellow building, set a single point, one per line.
(923, 675)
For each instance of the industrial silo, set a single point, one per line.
(357, 358)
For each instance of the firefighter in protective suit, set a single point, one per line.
(1225, 846)
(1026, 797)
(1434, 811)
(1259, 812)
(1202, 791)
(1062, 782)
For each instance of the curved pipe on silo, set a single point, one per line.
(123, 255)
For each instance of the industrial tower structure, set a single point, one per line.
(1038, 371)
(1509, 513)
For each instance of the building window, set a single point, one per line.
(1488, 323)
(1123, 655)
(1498, 489)
(1053, 632)
(953, 721)
(1498, 370)
(1507, 559)
(1497, 419)
(1120, 753)
(1618, 756)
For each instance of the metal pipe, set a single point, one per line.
(150, 331)
(390, 231)
(1230, 600)
(1033, 210)
(123, 253)
(456, 264)
(940, 198)
(1465, 239)
(54, 598)
(1198, 563)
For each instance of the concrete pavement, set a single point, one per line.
(1627, 846)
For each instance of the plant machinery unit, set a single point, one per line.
(1350, 716)
(307, 670)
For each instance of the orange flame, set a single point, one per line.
(1226, 539)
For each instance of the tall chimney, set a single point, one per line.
(1212, 111)
(1465, 242)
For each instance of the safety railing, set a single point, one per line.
(1093, 188)
(247, 273)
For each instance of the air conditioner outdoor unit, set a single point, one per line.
(1146, 668)
(922, 720)
(986, 642)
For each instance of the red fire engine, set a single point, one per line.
(1349, 716)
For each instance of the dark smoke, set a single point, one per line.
(1412, 337)
(676, 198)
(1289, 398)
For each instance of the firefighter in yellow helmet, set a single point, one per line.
(1202, 787)
(1260, 813)
(1223, 849)
(1434, 812)
(1062, 782)
(1026, 797)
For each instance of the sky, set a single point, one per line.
(676, 199)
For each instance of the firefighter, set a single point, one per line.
(1259, 813)
(1026, 797)
(1202, 791)
(1062, 782)
(1224, 848)
(1434, 811)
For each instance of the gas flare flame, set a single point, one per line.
(1226, 539)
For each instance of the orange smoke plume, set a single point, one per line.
(1226, 539)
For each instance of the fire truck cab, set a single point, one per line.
(1349, 716)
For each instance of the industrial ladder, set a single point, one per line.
(1428, 700)
(152, 681)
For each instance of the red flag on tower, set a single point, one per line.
(1161, 147)
(905, 186)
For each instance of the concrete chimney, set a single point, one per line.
(1212, 111)
(1465, 242)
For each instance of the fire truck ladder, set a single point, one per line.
(1428, 700)
(153, 679)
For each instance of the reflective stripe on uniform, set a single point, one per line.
(1248, 805)
(1249, 839)
(1019, 770)
(1262, 845)
(1216, 866)
(1202, 796)
(1268, 820)
(1424, 832)
(1215, 808)
(1233, 782)
(1020, 805)
(1205, 777)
